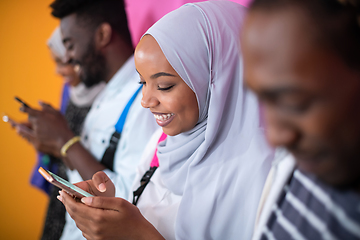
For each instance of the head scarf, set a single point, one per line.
(219, 167)
(56, 45)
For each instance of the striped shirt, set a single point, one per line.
(310, 209)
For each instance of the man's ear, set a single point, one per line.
(103, 35)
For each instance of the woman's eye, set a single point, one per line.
(70, 47)
(165, 88)
(142, 82)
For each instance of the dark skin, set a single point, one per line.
(108, 217)
(310, 96)
(50, 130)
(104, 216)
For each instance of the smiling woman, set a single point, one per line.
(214, 161)
(168, 97)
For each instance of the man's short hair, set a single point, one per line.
(91, 13)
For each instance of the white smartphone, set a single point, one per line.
(63, 184)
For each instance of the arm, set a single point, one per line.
(107, 217)
(51, 132)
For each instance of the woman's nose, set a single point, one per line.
(149, 100)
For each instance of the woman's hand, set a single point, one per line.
(108, 218)
(99, 185)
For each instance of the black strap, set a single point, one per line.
(108, 157)
(143, 182)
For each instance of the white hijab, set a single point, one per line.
(219, 167)
(80, 95)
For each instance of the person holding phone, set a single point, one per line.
(214, 160)
(116, 129)
(75, 104)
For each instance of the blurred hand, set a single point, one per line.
(49, 129)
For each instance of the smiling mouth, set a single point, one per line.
(77, 69)
(163, 119)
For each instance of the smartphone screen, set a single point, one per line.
(63, 184)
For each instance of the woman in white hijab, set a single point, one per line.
(215, 159)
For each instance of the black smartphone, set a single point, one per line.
(22, 102)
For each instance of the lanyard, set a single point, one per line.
(108, 157)
(120, 124)
(147, 176)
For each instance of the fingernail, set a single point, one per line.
(59, 198)
(102, 187)
(87, 200)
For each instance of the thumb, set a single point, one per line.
(103, 183)
(107, 203)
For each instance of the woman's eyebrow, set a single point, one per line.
(161, 74)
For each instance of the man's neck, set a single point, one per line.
(115, 62)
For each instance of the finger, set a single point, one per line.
(108, 203)
(29, 111)
(26, 124)
(87, 186)
(77, 211)
(74, 208)
(47, 107)
(12, 122)
(25, 131)
(101, 181)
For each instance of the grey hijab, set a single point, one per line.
(220, 166)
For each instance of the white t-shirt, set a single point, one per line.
(99, 125)
(157, 204)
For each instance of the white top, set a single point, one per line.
(157, 203)
(99, 125)
(278, 176)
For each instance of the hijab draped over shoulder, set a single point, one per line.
(220, 166)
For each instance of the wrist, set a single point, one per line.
(68, 145)
(63, 140)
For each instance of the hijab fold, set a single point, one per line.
(220, 166)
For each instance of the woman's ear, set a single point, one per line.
(103, 35)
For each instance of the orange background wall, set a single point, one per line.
(26, 70)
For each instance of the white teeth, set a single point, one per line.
(77, 68)
(163, 117)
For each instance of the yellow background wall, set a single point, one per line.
(26, 70)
